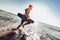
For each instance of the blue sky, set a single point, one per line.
(15, 6)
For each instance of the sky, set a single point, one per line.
(46, 11)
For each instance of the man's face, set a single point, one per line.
(30, 8)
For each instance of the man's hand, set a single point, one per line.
(28, 18)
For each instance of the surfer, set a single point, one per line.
(25, 17)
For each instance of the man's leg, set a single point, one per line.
(29, 21)
(21, 23)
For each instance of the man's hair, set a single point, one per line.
(30, 5)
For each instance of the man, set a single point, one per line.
(25, 17)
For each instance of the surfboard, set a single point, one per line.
(20, 15)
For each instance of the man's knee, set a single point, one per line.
(32, 21)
